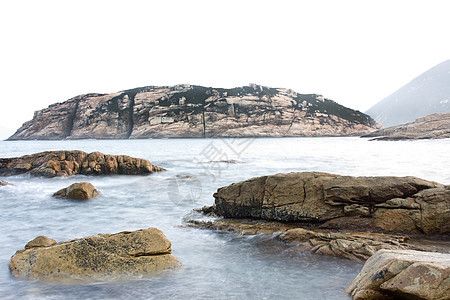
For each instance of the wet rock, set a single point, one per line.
(403, 274)
(3, 183)
(385, 204)
(78, 191)
(66, 163)
(357, 246)
(103, 256)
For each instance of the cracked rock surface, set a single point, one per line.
(141, 252)
(403, 274)
(66, 163)
(384, 204)
(195, 111)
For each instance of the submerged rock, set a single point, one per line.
(65, 163)
(385, 204)
(356, 246)
(403, 274)
(3, 183)
(78, 191)
(103, 256)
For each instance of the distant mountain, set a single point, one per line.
(426, 94)
(195, 111)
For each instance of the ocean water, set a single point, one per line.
(216, 265)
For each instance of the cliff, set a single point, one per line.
(434, 126)
(194, 111)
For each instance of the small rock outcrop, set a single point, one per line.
(103, 256)
(357, 246)
(77, 191)
(40, 241)
(434, 126)
(194, 111)
(3, 183)
(403, 274)
(384, 204)
(66, 163)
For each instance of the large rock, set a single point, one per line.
(386, 204)
(195, 111)
(65, 163)
(103, 256)
(77, 191)
(403, 274)
(434, 126)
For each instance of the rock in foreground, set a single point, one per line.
(385, 204)
(434, 126)
(65, 163)
(103, 256)
(77, 191)
(403, 274)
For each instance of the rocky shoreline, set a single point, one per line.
(434, 126)
(357, 218)
(394, 217)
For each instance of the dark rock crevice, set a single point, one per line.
(130, 114)
(71, 120)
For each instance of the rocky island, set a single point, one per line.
(195, 111)
(65, 163)
(434, 126)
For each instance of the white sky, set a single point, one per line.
(354, 52)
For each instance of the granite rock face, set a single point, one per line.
(403, 274)
(77, 191)
(434, 126)
(195, 111)
(384, 204)
(66, 163)
(103, 256)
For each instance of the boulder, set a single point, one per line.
(66, 163)
(386, 204)
(103, 256)
(78, 191)
(403, 274)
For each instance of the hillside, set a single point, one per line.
(194, 111)
(434, 126)
(426, 94)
